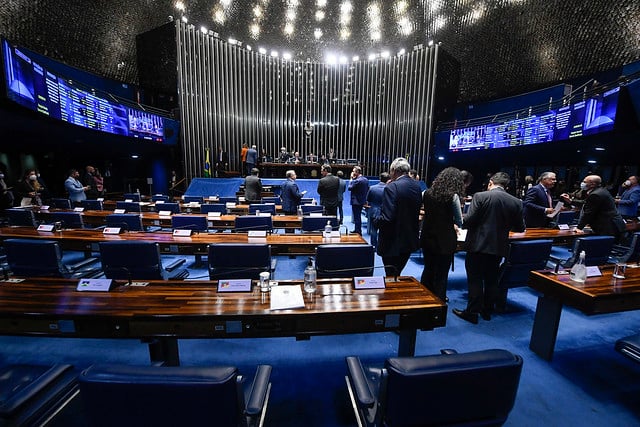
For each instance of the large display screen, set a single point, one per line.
(33, 86)
(587, 117)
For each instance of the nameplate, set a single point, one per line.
(214, 214)
(264, 214)
(44, 207)
(99, 285)
(593, 271)
(563, 227)
(371, 282)
(164, 213)
(46, 227)
(236, 285)
(230, 204)
(119, 211)
(100, 199)
(257, 233)
(315, 213)
(182, 233)
(111, 230)
(13, 280)
(128, 200)
(78, 209)
(241, 199)
(159, 202)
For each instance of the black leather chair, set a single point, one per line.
(194, 199)
(92, 205)
(344, 260)
(134, 260)
(477, 388)
(189, 222)
(262, 207)
(316, 224)
(128, 206)
(172, 207)
(307, 201)
(67, 219)
(628, 254)
(566, 217)
(128, 222)
(597, 250)
(59, 203)
(43, 258)
(31, 394)
(239, 260)
(113, 395)
(159, 198)
(134, 197)
(21, 217)
(246, 223)
(309, 209)
(213, 207)
(630, 347)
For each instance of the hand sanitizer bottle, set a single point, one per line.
(310, 277)
(327, 230)
(579, 269)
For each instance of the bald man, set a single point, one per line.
(599, 210)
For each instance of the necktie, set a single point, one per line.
(548, 197)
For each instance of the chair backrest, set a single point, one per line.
(213, 207)
(161, 396)
(34, 258)
(61, 203)
(633, 253)
(134, 197)
(246, 223)
(92, 205)
(451, 389)
(191, 199)
(238, 260)
(344, 260)
(128, 222)
(174, 207)
(21, 217)
(68, 219)
(227, 199)
(316, 224)
(131, 260)
(275, 200)
(189, 222)
(309, 209)
(524, 256)
(128, 206)
(159, 198)
(597, 250)
(262, 207)
(306, 201)
(567, 217)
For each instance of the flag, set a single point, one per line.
(207, 164)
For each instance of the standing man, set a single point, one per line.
(359, 187)
(628, 201)
(75, 188)
(397, 222)
(341, 189)
(253, 187)
(88, 181)
(328, 187)
(291, 195)
(493, 213)
(374, 199)
(252, 158)
(222, 162)
(537, 203)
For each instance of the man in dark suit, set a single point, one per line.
(253, 187)
(537, 203)
(599, 210)
(493, 213)
(328, 190)
(290, 195)
(397, 221)
(359, 187)
(222, 162)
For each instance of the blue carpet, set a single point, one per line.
(588, 383)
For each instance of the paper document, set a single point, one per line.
(283, 297)
(462, 234)
(557, 209)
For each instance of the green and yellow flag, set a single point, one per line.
(207, 164)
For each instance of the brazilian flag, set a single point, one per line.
(207, 164)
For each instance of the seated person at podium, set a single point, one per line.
(296, 158)
(284, 156)
(312, 158)
(253, 187)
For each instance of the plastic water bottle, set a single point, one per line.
(299, 212)
(327, 230)
(579, 269)
(310, 277)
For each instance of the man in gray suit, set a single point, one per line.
(493, 213)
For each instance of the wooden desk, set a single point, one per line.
(303, 170)
(166, 311)
(597, 295)
(196, 244)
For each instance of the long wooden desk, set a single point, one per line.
(197, 244)
(598, 295)
(303, 170)
(165, 312)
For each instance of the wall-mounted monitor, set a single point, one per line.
(31, 85)
(587, 117)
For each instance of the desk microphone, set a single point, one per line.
(393, 268)
(120, 268)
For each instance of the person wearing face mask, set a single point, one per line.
(628, 202)
(599, 210)
(28, 189)
(6, 195)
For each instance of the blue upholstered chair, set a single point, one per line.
(194, 199)
(262, 207)
(213, 207)
(344, 260)
(309, 209)
(316, 224)
(173, 207)
(227, 199)
(135, 260)
(116, 395)
(21, 217)
(246, 223)
(239, 260)
(160, 198)
(630, 347)
(189, 222)
(31, 394)
(68, 219)
(43, 258)
(134, 197)
(306, 201)
(92, 205)
(466, 389)
(128, 222)
(275, 200)
(59, 203)
(566, 217)
(128, 206)
(597, 250)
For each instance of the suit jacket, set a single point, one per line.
(534, 204)
(252, 188)
(252, 156)
(600, 213)
(374, 198)
(290, 196)
(628, 203)
(328, 187)
(491, 216)
(398, 220)
(359, 188)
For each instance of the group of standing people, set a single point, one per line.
(88, 186)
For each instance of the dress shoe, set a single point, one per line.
(465, 315)
(486, 315)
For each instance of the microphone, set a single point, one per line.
(389, 268)
(119, 268)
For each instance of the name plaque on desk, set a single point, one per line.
(369, 282)
(78, 209)
(214, 215)
(46, 227)
(99, 285)
(236, 285)
(257, 233)
(111, 230)
(119, 211)
(44, 207)
(164, 213)
(182, 233)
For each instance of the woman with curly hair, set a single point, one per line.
(438, 239)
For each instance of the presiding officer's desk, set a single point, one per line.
(166, 311)
(196, 244)
(598, 295)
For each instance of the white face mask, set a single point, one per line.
(1, 176)
(627, 183)
(33, 177)
(583, 186)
